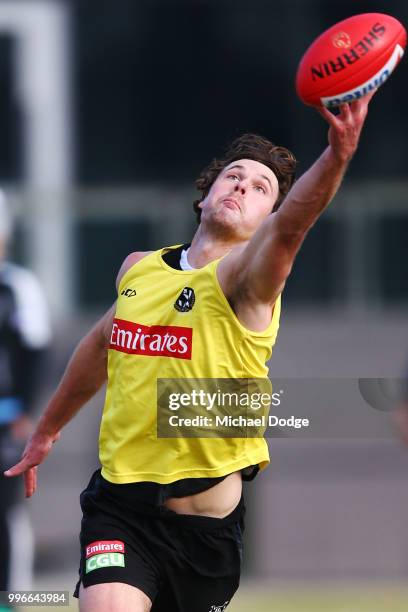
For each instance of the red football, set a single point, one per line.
(350, 59)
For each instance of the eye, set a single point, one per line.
(233, 177)
(260, 188)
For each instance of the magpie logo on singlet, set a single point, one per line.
(185, 300)
(128, 292)
(220, 608)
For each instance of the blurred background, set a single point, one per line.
(108, 112)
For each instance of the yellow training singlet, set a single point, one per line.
(161, 332)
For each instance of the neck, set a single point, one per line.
(205, 248)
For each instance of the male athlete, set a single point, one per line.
(162, 521)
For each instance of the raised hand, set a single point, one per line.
(345, 128)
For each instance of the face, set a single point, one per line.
(241, 197)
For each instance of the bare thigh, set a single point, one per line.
(116, 596)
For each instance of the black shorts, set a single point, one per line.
(183, 563)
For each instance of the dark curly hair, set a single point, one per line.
(250, 146)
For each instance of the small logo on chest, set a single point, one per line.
(185, 300)
(128, 292)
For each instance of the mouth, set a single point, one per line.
(231, 203)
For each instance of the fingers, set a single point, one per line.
(344, 115)
(18, 469)
(30, 475)
(369, 96)
(35, 470)
(360, 106)
(37, 449)
(328, 116)
(30, 480)
(336, 121)
(345, 112)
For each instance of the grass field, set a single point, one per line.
(300, 598)
(296, 598)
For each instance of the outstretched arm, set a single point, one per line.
(85, 374)
(260, 271)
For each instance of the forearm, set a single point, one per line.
(85, 374)
(311, 194)
(264, 265)
(270, 254)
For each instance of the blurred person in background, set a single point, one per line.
(163, 519)
(24, 337)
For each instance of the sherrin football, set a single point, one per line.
(350, 59)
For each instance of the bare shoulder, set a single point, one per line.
(128, 262)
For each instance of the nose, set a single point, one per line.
(241, 187)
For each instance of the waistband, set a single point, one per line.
(118, 504)
(207, 523)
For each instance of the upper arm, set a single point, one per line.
(101, 331)
(128, 262)
(103, 328)
(257, 273)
